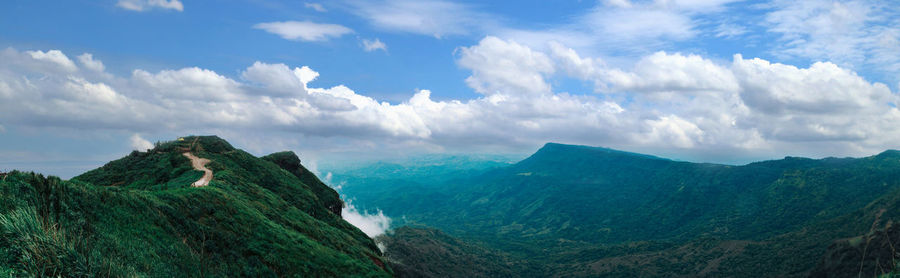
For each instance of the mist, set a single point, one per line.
(372, 224)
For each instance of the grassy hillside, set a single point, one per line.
(588, 211)
(138, 216)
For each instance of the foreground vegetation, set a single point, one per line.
(138, 216)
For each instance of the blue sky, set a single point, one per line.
(83, 82)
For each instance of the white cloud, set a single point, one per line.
(140, 144)
(141, 5)
(371, 224)
(640, 22)
(87, 60)
(627, 28)
(666, 101)
(56, 57)
(315, 6)
(505, 66)
(436, 18)
(673, 72)
(679, 132)
(304, 30)
(727, 30)
(822, 102)
(372, 45)
(276, 78)
(852, 34)
(187, 83)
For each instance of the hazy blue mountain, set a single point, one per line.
(373, 181)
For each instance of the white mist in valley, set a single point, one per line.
(372, 224)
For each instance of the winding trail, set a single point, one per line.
(199, 164)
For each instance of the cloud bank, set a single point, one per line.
(674, 102)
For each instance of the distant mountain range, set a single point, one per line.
(565, 211)
(586, 211)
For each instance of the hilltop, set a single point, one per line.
(141, 216)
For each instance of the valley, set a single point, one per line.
(584, 211)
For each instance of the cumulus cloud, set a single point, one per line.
(277, 78)
(140, 144)
(661, 72)
(664, 101)
(187, 83)
(504, 66)
(371, 224)
(54, 57)
(372, 45)
(822, 102)
(304, 30)
(87, 60)
(142, 5)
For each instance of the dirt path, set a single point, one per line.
(200, 165)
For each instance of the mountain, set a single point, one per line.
(153, 214)
(587, 211)
(365, 181)
(869, 255)
(428, 252)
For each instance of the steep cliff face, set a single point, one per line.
(140, 216)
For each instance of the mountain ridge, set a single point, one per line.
(565, 198)
(140, 216)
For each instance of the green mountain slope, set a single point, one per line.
(426, 252)
(382, 179)
(589, 211)
(139, 216)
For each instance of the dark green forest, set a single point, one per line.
(586, 211)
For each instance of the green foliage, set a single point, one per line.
(291, 163)
(587, 211)
(138, 216)
(44, 248)
(416, 252)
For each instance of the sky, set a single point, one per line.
(85, 82)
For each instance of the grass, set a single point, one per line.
(138, 216)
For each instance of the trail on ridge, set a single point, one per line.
(200, 165)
